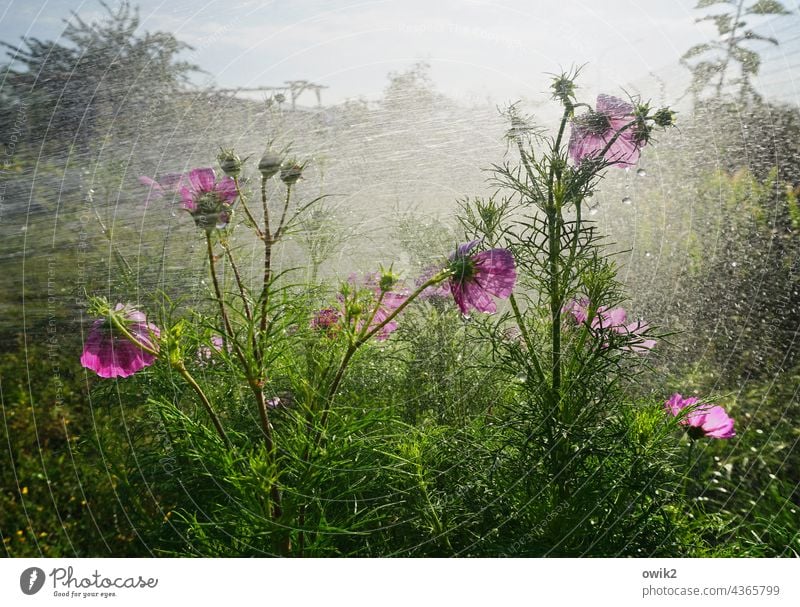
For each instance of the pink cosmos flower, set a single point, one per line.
(208, 201)
(479, 275)
(110, 354)
(704, 420)
(389, 302)
(579, 308)
(326, 320)
(205, 353)
(592, 131)
(167, 184)
(434, 293)
(613, 319)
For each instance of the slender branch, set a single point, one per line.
(568, 109)
(204, 399)
(238, 278)
(729, 51)
(527, 339)
(363, 338)
(217, 290)
(265, 206)
(268, 242)
(554, 221)
(247, 212)
(282, 222)
(179, 366)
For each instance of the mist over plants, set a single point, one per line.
(405, 327)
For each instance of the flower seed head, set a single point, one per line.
(269, 164)
(291, 172)
(387, 280)
(664, 117)
(229, 162)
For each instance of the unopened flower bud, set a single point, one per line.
(353, 309)
(291, 172)
(269, 164)
(388, 279)
(230, 163)
(564, 89)
(664, 117)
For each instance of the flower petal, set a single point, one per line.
(202, 180)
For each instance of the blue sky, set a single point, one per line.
(477, 50)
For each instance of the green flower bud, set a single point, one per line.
(388, 280)
(229, 162)
(664, 117)
(563, 89)
(269, 164)
(291, 172)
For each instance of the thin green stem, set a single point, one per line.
(361, 340)
(268, 242)
(729, 51)
(238, 278)
(247, 212)
(179, 366)
(204, 399)
(527, 339)
(217, 291)
(282, 222)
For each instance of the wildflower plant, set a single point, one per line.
(283, 435)
(568, 348)
(256, 334)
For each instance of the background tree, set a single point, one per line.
(716, 59)
(69, 89)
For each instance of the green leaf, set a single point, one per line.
(750, 60)
(707, 3)
(767, 7)
(723, 22)
(750, 35)
(697, 49)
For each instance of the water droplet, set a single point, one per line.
(173, 214)
(647, 254)
(641, 173)
(733, 264)
(627, 200)
(24, 228)
(593, 211)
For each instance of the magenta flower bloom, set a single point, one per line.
(604, 318)
(478, 276)
(110, 354)
(578, 308)
(592, 132)
(389, 302)
(167, 184)
(326, 320)
(208, 201)
(434, 293)
(705, 420)
(205, 353)
(612, 319)
(638, 343)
